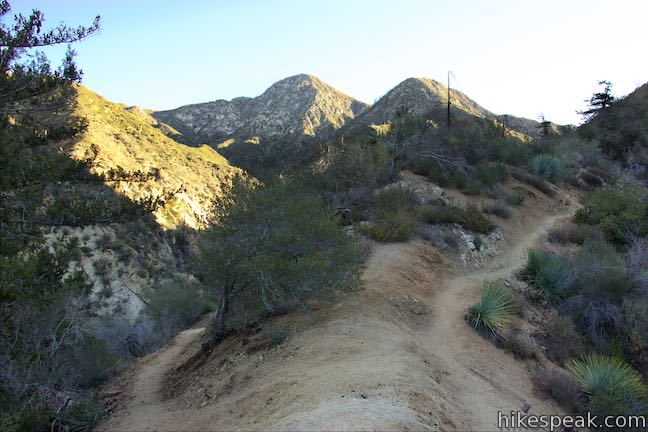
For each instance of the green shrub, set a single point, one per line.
(459, 180)
(34, 416)
(500, 209)
(600, 273)
(393, 218)
(274, 246)
(589, 287)
(470, 217)
(599, 375)
(635, 328)
(278, 335)
(536, 260)
(576, 233)
(599, 283)
(548, 166)
(472, 187)
(490, 174)
(94, 363)
(124, 254)
(493, 311)
(391, 226)
(563, 341)
(447, 176)
(603, 405)
(548, 273)
(178, 304)
(558, 385)
(103, 241)
(521, 345)
(475, 221)
(636, 260)
(535, 181)
(82, 415)
(617, 210)
(356, 165)
(102, 267)
(516, 196)
(437, 174)
(511, 151)
(485, 175)
(395, 198)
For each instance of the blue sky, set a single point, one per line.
(519, 57)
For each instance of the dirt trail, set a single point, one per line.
(144, 407)
(397, 355)
(490, 380)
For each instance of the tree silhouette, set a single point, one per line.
(599, 100)
(21, 79)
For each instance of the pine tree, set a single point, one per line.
(42, 308)
(599, 100)
(21, 79)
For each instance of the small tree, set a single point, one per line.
(599, 100)
(272, 247)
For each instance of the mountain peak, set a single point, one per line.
(427, 97)
(298, 83)
(301, 82)
(422, 80)
(427, 87)
(298, 106)
(420, 96)
(300, 78)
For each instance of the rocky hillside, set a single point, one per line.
(127, 253)
(622, 131)
(299, 107)
(130, 140)
(427, 97)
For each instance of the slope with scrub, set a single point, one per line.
(398, 354)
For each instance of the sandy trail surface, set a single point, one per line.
(397, 355)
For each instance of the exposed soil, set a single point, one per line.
(397, 355)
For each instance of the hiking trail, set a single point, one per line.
(396, 355)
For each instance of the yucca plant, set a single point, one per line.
(494, 310)
(536, 259)
(82, 416)
(599, 375)
(548, 273)
(547, 165)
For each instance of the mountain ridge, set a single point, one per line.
(303, 107)
(427, 97)
(300, 106)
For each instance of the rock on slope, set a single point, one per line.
(299, 107)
